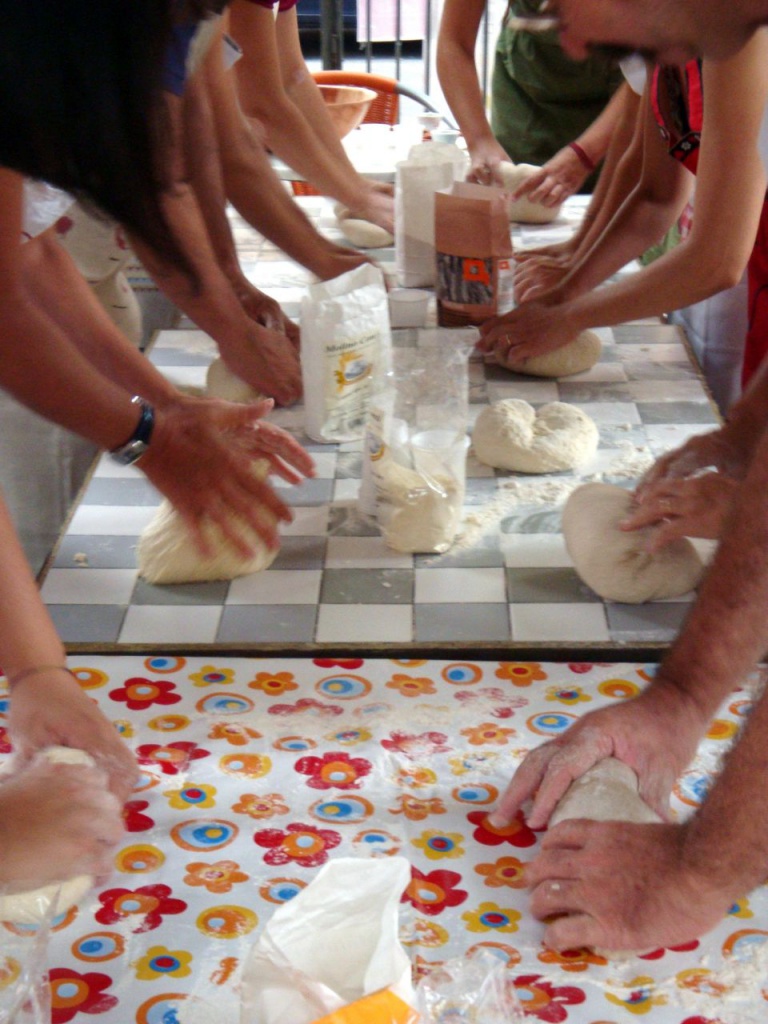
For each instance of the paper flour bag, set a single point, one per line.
(473, 246)
(429, 167)
(333, 946)
(344, 333)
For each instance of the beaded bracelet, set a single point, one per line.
(25, 673)
(584, 159)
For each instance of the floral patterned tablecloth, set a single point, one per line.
(256, 771)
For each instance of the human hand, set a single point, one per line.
(484, 159)
(621, 887)
(56, 821)
(715, 448)
(538, 275)
(268, 361)
(266, 311)
(201, 459)
(695, 506)
(530, 330)
(377, 205)
(558, 179)
(49, 709)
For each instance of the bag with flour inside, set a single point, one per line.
(416, 441)
(344, 333)
(473, 254)
(430, 166)
(333, 954)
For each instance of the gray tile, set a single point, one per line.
(480, 489)
(87, 623)
(180, 593)
(349, 466)
(594, 391)
(660, 371)
(120, 491)
(294, 623)
(309, 492)
(367, 586)
(676, 412)
(477, 557)
(300, 553)
(96, 552)
(656, 620)
(646, 334)
(461, 622)
(547, 586)
(344, 520)
(179, 357)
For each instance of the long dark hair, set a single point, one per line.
(80, 102)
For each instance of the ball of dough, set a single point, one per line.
(614, 563)
(578, 355)
(167, 553)
(220, 382)
(523, 210)
(608, 791)
(512, 435)
(363, 234)
(35, 905)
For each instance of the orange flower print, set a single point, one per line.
(417, 809)
(505, 871)
(216, 878)
(273, 684)
(487, 732)
(520, 673)
(235, 734)
(574, 960)
(411, 686)
(261, 807)
(417, 777)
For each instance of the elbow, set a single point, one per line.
(728, 275)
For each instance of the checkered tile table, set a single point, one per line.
(507, 581)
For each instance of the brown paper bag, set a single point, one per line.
(473, 253)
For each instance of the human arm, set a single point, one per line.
(457, 73)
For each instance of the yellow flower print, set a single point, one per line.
(487, 732)
(411, 686)
(416, 778)
(261, 807)
(506, 871)
(641, 999)
(209, 675)
(417, 809)
(722, 729)
(273, 683)
(124, 728)
(437, 845)
(472, 761)
(159, 962)
(490, 917)
(191, 795)
(567, 694)
(741, 908)
(427, 934)
(520, 673)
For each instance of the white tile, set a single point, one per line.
(463, 586)
(111, 520)
(369, 623)
(662, 353)
(559, 622)
(346, 490)
(665, 436)
(89, 586)
(536, 392)
(364, 553)
(185, 377)
(150, 623)
(325, 465)
(600, 373)
(277, 586)
(534, 551)
(107, 467)
(664, 390)
(189, 341)
(308, 521)
(611, 412)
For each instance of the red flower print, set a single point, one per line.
(518, 833)
(431, 893)
(347, 663)
(139, 693)
(73, 993)
(657, 954)
(417, 745)
(147, 904)
(545, 1001)
(302, 844)
(171, 758)
(134, 820)
(5, 743)
(305, 704)
(334, 770)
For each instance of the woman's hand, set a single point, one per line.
(530, 330)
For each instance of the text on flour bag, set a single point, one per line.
(473, 253)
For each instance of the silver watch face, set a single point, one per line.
(130, 452)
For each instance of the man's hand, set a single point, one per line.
(714, 449)
(692, 507)
(265, 310)
(621, 887)
(268, 361)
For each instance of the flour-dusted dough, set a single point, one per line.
(34, 905)
(167, 553)
(511, 435)
(220, 382)
(608, 791)
(613, 562)
(363, 234)
(578, 355)
(523, 210)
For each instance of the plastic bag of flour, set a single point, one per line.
(416, 442)
(344, 334)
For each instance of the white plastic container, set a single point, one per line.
(408, 307)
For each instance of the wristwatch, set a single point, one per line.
(131, 450)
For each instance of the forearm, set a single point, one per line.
(597, 138)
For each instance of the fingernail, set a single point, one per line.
(497, 821)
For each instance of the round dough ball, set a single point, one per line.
(220, 382)
(511, 435)
(578, 355)
(35, 905)
(523, 210)
(614, 563)
(608, 791)
(363, 234)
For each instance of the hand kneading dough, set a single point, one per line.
(578, 355)
(607, 792)
(32, 906)
(220, 382)
(614, 563)
(363, 234)
(167, 553)
(513, 176)
(512, 435)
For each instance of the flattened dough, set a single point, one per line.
(167, 553)
(220, 382)
(607, 792)
(511, 435)
(614, 563)
(32, 906)
(578, 355)
(523, 210)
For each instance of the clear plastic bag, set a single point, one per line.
(478, 990)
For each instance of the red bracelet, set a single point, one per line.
(585, 160)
